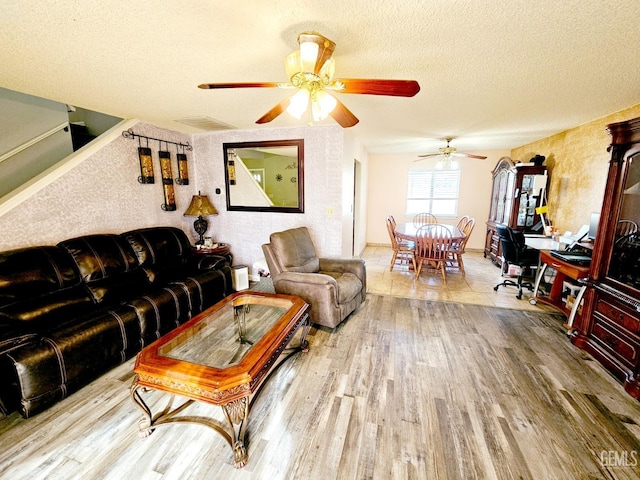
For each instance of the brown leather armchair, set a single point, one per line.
(333, 287)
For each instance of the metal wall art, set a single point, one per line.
(169, 204)
(146, 165)
(183, 170)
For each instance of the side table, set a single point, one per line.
(221, 249)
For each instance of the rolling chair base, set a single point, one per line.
(519, 283)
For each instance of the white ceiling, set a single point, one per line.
(494, 74)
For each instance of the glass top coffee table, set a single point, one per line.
(222, 357)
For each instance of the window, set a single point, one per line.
(433, 191)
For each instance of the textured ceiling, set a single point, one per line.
(493, 74)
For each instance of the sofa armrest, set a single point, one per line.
(209, 262)
(307, 285)
(344, 265)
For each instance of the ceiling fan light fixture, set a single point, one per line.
(447, 163)
(293, 64)
(308, 56)
(298, 103)
(322, 104)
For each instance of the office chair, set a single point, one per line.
(515, 252)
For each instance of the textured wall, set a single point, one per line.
(577, 160)
(247, 231)
(102, 194)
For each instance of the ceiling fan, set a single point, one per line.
(310, 69)
(449, 151)
(447, 163)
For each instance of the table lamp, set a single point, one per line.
(200, 207)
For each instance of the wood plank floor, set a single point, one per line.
(404, 389)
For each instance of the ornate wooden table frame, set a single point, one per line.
(259, 344)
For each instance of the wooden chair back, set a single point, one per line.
(433, 243)
(462, 222)
(424, 219)
(626, 227)
(392, 235)
(468, 228)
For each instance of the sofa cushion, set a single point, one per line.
(70, 355)
(53, 307)
(30, 272)
(108, 266)
(163, 252)
(161, 310)
(295, 251)
(349, 285)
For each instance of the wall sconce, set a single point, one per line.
(200, 207)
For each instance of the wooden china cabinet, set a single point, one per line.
(609, 327)
(513, 201)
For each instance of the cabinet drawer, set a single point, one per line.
(572, 271)
(625, 347)
(617, 315)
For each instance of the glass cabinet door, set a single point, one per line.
(625, 256)
(502, 193)
(528, 202)
(508, 201)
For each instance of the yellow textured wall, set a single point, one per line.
(577, 160)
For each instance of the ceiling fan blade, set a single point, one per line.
(426, 155)
(467, 155)
(239, 85)
(394, 88)
(275, 111)
(343, 115)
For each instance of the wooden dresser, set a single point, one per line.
(609, 327)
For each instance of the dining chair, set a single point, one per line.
(458, 248)
(462, 222)
(403, 250)
(626, 227)
(433, 245)
(393, 221)
(424, 219)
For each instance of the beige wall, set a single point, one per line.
(577, 160)
(354, 195)
(387, 192)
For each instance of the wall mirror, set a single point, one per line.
(265, 176)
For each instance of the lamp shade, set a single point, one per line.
(200, 206)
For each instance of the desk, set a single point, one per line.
(408, 231)
(564, 271)
(542, 243)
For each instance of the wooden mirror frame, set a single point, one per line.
(297, 173)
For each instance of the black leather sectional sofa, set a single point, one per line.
(70, 312)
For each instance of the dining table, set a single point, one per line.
(409, 231)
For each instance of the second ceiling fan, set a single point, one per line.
(450, 151)
(310, 69)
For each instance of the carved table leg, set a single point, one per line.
(237, 413)
(144, 426)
